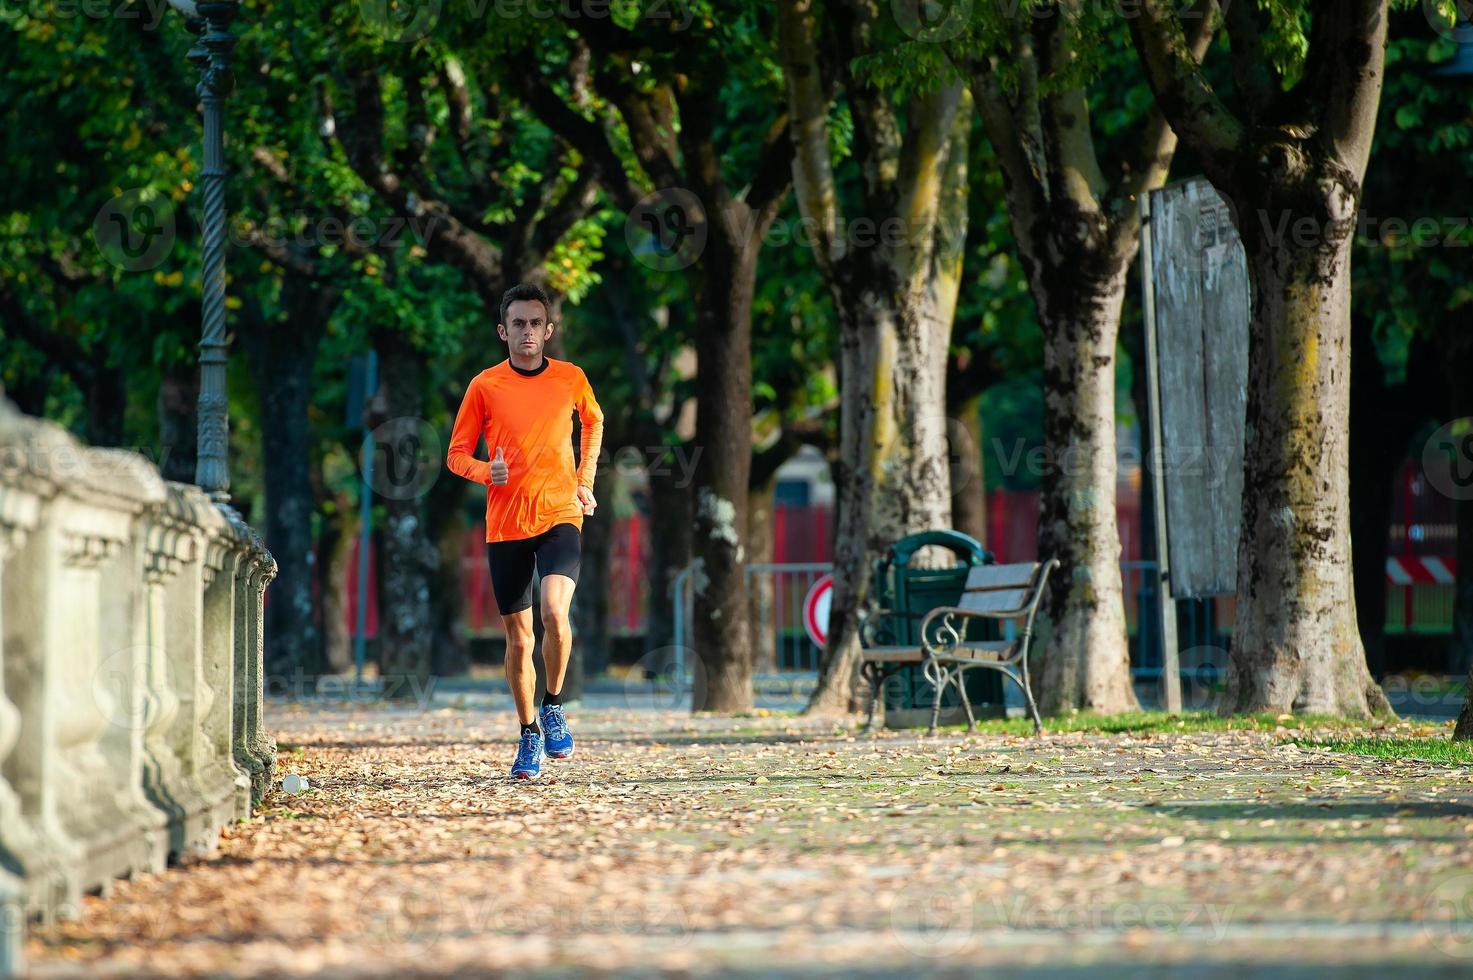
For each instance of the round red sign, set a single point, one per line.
(816, 609)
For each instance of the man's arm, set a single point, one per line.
(591, 442)
(469, 422)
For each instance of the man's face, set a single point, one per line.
(526, 328)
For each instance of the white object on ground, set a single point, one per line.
(294, 784)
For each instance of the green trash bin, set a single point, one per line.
(908, 593)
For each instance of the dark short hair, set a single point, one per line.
(525, 291)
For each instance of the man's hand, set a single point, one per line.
(498, 469)
(585, 500)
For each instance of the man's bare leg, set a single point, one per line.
(520, 675)
(557, 630)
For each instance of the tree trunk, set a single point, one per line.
(592, 641)
(281, 356)
(670, 553)
(447, 527)
(761, 607)
(1460, 656)
(409, 556)
(893, 476)
(178, 422)
(725, 280)
(451, 656)
(895, 310)
(1086, 663)
(968, 481)
(1462, 638)
(334, 558)
(1295, 645)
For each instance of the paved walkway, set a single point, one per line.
(781, 845)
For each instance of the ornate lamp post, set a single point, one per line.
(210, 23)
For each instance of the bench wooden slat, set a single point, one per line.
(1013, 576)
(892, 655)
(990, 650)
(999, 600)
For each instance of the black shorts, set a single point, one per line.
(556, 551)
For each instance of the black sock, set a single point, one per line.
(550, 698)
(531, 728)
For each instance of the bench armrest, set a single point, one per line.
(950, 638)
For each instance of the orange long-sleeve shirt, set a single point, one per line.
(529, 417)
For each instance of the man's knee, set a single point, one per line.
(519, 639)
(555, 622)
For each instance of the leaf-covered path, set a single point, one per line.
(789, 845)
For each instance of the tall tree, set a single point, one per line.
(1077, 229)
(1289, 156)
(892, 262)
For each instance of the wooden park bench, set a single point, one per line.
(946, 652)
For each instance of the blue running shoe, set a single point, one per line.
(555, 724)
(529, 756)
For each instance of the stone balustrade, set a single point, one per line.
(130, 671)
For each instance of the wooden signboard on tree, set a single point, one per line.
(1196, 303)
(1196, 278)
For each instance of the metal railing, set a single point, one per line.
(781, 640)
(776, 591)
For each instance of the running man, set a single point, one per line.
(535, 504)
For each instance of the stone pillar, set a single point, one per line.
(169, 543)
(221, 554)
(214, 658)
(32, 838)
(210, 778)
(95, 801)
(122, 679)
(45, 883)
(255, 750)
